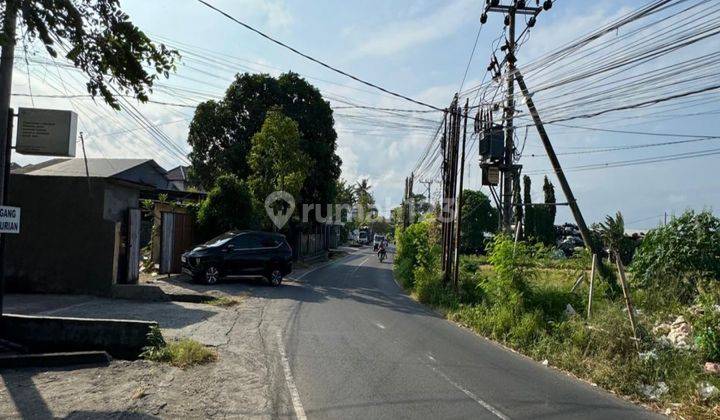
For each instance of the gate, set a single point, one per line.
(133, 246)
(176, 238)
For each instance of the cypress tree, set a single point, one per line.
(529, 210)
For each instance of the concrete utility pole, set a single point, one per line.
(584, 231)
(6, 68)
(507, 168)
(458, 205)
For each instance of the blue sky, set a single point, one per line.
(418, 48)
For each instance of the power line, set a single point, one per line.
(315, 60)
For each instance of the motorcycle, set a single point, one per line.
(382, 255)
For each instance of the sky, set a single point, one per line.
(419, 49)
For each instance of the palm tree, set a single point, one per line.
(363, 194)
(612, 232)
(365, 199)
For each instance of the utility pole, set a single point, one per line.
(450, 166)
(458, 204)
(507, 168)
(6, 68)
(584, 231)
(428, 184)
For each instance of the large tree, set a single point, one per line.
(99, 39)
(221, 131)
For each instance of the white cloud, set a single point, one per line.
(393, 37)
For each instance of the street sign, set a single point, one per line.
(46, 132)
(9, 219)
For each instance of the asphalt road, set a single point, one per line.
(355, 346)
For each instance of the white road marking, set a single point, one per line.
(358, 266)
(379, 325)
(477, 399)
(294, 394)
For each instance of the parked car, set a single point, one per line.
(241, 254)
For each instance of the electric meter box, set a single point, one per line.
(46, 132)
(492, 144)
(490, 175)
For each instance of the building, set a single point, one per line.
(178, 177)
(80, 231)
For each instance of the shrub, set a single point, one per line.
(514, 267)
(672, 258)
(707, 332)
(415, 250)
(430, 289)
(227, 206)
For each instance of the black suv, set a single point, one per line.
(240, 253)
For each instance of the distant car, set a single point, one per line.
(362, 237)
(240, 253)
(377, 240)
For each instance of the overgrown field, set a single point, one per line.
(519, 295)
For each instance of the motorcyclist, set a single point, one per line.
(382, 249)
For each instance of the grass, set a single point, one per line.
(182, 353)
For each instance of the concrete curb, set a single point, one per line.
(54, 359)
(124, 339)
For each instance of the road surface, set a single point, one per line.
(353, 345)
(338, 341)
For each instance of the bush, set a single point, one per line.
(415, 250)
(430, 289)
(514, 267)
(707, 332)
(228, 206)
(673, 258)
(181, 353)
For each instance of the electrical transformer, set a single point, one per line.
(492, 144)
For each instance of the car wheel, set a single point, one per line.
(275, 277)
(212, 275)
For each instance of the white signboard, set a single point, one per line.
(9, 219)
(47, 132)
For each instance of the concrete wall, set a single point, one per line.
(68, 235)
(121, 338)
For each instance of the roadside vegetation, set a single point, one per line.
(182, 353)
(519, 294)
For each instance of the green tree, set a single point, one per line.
(99, 39)
(530, 213)
(518, 207)
(221, 131)
(549, 192)
(275, 159)
(479, 217)
(545, 215)
(227, 206)
(364, 200)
